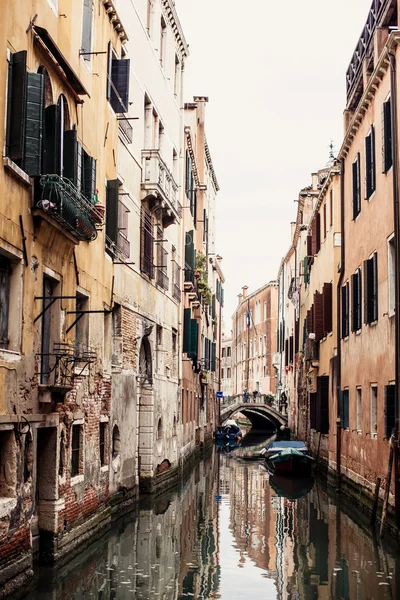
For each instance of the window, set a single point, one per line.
(116, 442)
(345, 310)
(327, 308)
(322, 405)
(344, 409)
(50, 326)
(359, 409)
(82, 322)
(374, 410)
(117, 81)
(116, 221)
(356, 187)
(391, 277)
(87, 26)
(76, 466)
(265, 311)
(117, 339)
(318, 233)
(390, 410)
(331, 208)
(62, 454)
(5, 277)
(147, 243)
(8, 464)
(324, 220)
(123, 243)
(222, 374)
(387, 159)
(177, 76)
(370, 174)
(223, 352)
(229, 352)
(162, 261)
(102, 444)
(163, 39)
(228, 373)
(371, 289)
(265, 344)
(356, 301)
(190, 190)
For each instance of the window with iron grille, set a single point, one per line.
(102, 444)
(147, 243)
(370, 172)
(122, 240)
(176, 271)
(371, 289)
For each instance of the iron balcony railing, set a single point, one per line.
(125, 129)
(162, 279)
(62, 201)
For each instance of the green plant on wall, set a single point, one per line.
(201, 262)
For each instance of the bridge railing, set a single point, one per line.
(259, 399)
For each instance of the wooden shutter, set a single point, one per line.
(87, 23)
(370, 290)
(51, 144)
(109, 67)
(327, 307)
(291, 350)
(296, 336)
(71, 156)
(386, 136)
(356, 186)
(344, 311)
(344, 409)
(194, 338)
(374, 263)
(309, 246)
(314, 237)
(189, 250)
(187, 319)
(213, 357)
(4, 300)
(17, 105)
(89, 177)
(371, 172)
(120, 85)
(313, 410)
(147, 243)
(354, 300)
(322, 424)
(213, 307)
(112, 210)
(310, 324)
(34, 117)
(286, 352)
(318, 316)
(390, 410)
(318, 232)
(368, 172)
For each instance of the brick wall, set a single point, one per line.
(129, 339)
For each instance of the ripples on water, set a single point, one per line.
(229, 532)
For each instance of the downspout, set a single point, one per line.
(395, 155)
(220, 361)
(338, 336)
(248, 343)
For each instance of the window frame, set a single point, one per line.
(356, 186)
(370, 164)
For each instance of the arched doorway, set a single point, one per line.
(146, 412)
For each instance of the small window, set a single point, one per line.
(331, 208)
(5, 278)
(87, 27)
(370, 175)
(163, 40)
(159, 430)
(76, 450)
(223, 352)
(344, 412)
(177, 76)
(228, 374)
(374, 410)
(116, 442)
(345, 310)
(222, 374)
(359, 408)
(8, 464)
(102, 444)
(82, 322)
(229, 351)
(118, 71)
(390, 410)
(62, 456)
(324, 221)
(147, 243)
(387, 158)
(356, 187)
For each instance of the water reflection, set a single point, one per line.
(228, 533)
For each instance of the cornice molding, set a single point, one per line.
(115, 21)
(172, 16)
(210, 164)
(192, 155)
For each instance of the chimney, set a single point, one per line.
(292, 228)
(314, 179)
(244, 290)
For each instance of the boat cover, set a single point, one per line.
(288, 453)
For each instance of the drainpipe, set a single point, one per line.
(338, 340)
(395, 155)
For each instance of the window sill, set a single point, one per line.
(373, 324)
(77, 479)
(374, 436)
(358, 332)
(9, 355)
(371, 196)
(104, 469)
(17, 171)
(359, 432)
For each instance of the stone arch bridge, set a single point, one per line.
(262, 416)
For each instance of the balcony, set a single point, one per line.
(383, 13)
(63, 204)
(160, 187)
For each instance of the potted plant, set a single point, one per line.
(98, 209)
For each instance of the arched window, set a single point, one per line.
(159, 430)
(116, 442)
(145, 366)
(48, 90)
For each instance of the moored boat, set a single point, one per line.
(288, 456)
(229, 431)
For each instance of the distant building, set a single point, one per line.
(254, 343)
(226, 366)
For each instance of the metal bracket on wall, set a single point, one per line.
(52, 300)
(80, 314)
(23, 240)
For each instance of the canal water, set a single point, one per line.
(231, 532)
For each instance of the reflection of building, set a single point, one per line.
(254, 341)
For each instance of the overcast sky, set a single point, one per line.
(275, 76)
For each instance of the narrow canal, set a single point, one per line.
(230, 532)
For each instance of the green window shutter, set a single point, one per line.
(17, 107)
(34, 113)
(214, 357)
(89, 177)
(112, 210)
(109, 66)
(213, 307)
(119, 99)
(71, 156)
(222, 296)
(374, 260)
(189, 250)
(194, 337)
(187, 320)
(51, 144)
(87, 23)
(390, 410)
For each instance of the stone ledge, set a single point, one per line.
(16, 171)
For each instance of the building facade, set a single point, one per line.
(254, 325)
(226, 366)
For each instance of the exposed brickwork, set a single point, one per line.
(129, 339)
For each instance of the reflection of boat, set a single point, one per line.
(292, 488)
(226, 446)
(229, 431)
(289, 457)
